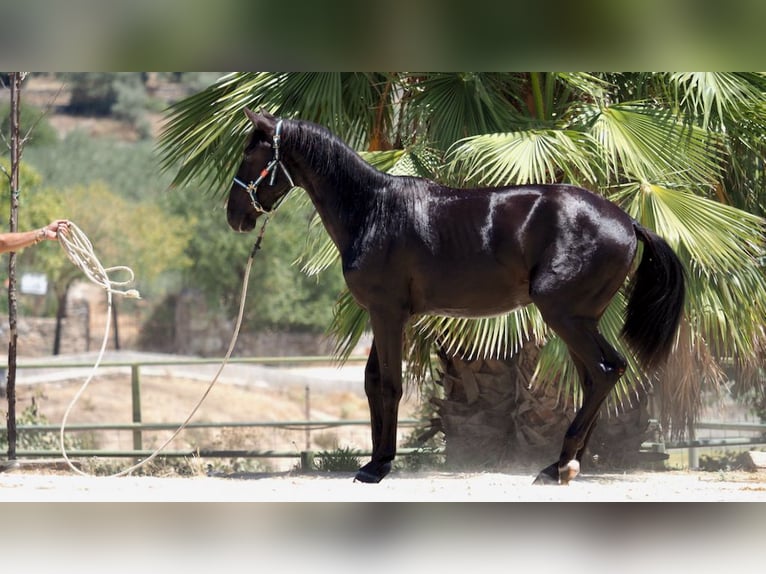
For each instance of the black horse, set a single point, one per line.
(411, 246)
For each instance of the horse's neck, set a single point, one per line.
(342, 186)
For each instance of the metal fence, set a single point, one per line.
(747, 434)
(138, 427)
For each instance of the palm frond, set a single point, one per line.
(350, 321)
(454, 105)
(725, 309)
(205, 132)
(722, 246)
(717, 98)
(530, 156)
(320, 252)
(347, 103)
(591, 85)
(492, 337)
(641, 142)
(716, 236)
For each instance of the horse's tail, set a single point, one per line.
(655, 302)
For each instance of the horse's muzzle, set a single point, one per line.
(240, 220)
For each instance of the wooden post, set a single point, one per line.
(308, 417)
(16, 145)
(307, 461)
(135, 386)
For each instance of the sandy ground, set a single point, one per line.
(27, 485)
(134, 524)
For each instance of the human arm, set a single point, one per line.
(14, 241)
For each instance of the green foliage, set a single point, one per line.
(34, 126)
(205, 133)
(28, 178)
(344, 459)
(35, 440)
(134, 199)
(119, 94)
(123, 232)
(129, 169)
(280, 296)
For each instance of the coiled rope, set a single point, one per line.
(80, 251)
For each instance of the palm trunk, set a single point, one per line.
(492, 418)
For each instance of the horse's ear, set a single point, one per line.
(266, 114)
(264, 121)
(252, 116)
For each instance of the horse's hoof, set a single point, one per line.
(373, 472)
(569, 471)
(548, 475)
(555, 474)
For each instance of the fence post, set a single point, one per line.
(135, 386)
(307, 461)
(307, 405)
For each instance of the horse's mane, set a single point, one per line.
(329, 156)
(355, 183)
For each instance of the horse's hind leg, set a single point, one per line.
(600, 366)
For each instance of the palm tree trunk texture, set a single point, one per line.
(492, 418)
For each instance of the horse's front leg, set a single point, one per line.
(383, 386)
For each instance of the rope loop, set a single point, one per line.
(80, 252)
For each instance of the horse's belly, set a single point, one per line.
(470, 296)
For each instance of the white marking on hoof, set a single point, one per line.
(568, 472)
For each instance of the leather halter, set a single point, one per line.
(270, 169)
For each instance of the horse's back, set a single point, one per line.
(522, 223)
(487, 251)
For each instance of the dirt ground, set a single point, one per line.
(272, 523)
(30, 485)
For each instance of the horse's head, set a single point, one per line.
(262, 179)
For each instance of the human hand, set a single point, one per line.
(55, 227)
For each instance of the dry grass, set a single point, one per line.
(170, 400)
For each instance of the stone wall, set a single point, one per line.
(193, 330)
(36, 334)
(199, 332)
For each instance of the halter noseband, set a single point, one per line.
(270, 169)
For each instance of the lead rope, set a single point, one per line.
(80, 251)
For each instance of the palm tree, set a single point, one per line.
(682, 153)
